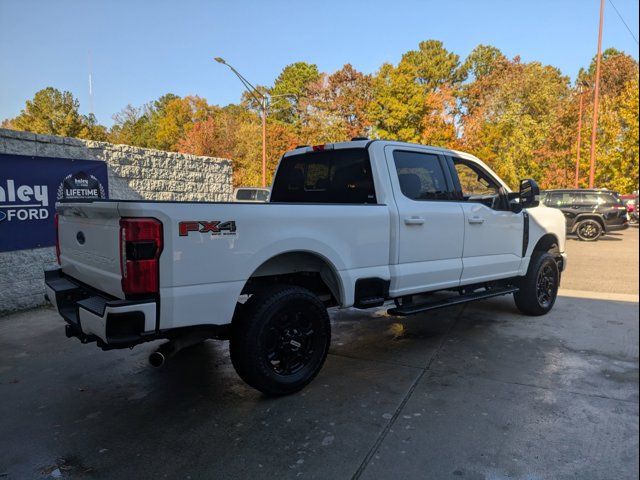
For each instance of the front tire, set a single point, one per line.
(280, 340)
(538, 290)
(589, 230)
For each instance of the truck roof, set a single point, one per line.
(364, 143)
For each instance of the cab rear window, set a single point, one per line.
(327, 176)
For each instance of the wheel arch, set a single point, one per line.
(549, 242)
(305, 268)
(589, 216)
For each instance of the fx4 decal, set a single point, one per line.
(215, 227)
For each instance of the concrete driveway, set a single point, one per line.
(474, 392)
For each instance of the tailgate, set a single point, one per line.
(88, 235)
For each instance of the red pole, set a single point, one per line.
(592, 165)
(579, 138)
(264, 142)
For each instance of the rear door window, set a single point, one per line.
(587, 199)
(559, 199)
(328, 176)
(421, 176)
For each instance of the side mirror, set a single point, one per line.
(529, 193)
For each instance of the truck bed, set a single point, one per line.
(199, 270)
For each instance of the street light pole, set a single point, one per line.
(262, 101)
(596, 91)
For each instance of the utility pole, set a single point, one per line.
(596, 91)
(579, 138)
(264, 141)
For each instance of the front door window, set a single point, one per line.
(478, 186)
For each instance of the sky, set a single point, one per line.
(140, 50)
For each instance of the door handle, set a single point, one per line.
(413, 221)
(476, 220)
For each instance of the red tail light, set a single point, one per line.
(140, 248)
(55, 224)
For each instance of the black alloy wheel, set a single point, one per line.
(589, 230)
(280, 339)
(546, 285)
(537, 291)
(289, 341)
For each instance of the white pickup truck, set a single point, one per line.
(355, 224)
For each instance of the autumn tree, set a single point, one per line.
(176, 118)
(510, 113)
(215, 136)
(415, 100)
(288, 90)
(247, 159)
(616, 69)
(336, 107)
(616, 162)
(235, 132)
(627, 166)
(433, 65)
(92, 130)
(160, 124)
(132, 126)
(53, 112)
(138, 125)
(347, 95)
(482, 61)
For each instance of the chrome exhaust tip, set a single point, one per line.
(157, 359)
(168, 349)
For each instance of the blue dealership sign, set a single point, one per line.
(31, 186)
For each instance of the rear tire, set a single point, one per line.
(589, 230)
(539, 289)
(280, 339)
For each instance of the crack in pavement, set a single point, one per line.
(405, 399)
(427, 369)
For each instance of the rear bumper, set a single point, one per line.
(93, 316)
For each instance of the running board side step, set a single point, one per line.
(413, 308)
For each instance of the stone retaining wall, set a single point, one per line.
(134, 173)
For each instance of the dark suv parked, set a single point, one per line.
(589, 213)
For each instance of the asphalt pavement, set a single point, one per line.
(473, 392)
(608, 265)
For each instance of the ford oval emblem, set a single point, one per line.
(80, 237)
